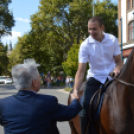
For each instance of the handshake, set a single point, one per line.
(73, 96)
(77, 94)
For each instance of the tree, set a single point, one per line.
(108, 12)
(71, 64)
(6, 23)
(56, 27)
(61, 17)
(6, 18)
(3, 60)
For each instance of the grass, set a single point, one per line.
(68, 89)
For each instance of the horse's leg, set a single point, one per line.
(72, 127)
(76, 122)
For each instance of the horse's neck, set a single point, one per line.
(127, 70)
(123, 73)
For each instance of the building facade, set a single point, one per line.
(126, 26)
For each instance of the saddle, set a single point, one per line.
(96, 102)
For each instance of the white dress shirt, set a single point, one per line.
(100, 56)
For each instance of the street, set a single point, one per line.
(8, 90)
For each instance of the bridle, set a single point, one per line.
(123, 82)
(112, 74)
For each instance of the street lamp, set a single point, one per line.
(38, 34)
(121, 41)
(93, 3)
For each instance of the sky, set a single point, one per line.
(22, 10)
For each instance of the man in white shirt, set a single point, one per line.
(102, 51)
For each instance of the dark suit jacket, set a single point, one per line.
(31, 113)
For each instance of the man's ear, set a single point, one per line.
(34, 83)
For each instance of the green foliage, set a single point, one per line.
(55, 28)
(68, 89)
(3, 60)
(71, 64)
(6, 23)
(108, 12)
(6, 18)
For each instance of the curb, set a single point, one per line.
(62, 90)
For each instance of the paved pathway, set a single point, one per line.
(8, 90)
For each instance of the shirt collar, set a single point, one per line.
(25, 92)
(91, 40)
(32, 91)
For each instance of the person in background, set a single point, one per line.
(67, 81)
(71, 82)
(49, 82)
(44, 81)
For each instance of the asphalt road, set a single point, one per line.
(8, 90)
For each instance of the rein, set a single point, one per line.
(123, 82)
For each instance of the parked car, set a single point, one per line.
(8, 81)
(2, 79)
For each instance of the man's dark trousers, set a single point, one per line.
(92, 86)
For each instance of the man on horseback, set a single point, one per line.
(103, 53)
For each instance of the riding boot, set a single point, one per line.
(84, 124)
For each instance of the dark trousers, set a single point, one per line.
(92, 86)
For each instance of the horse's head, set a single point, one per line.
(127, 72)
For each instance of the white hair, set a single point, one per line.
(23, 74)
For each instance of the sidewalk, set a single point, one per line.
(52, 87)
(59, 88)
(62, 90)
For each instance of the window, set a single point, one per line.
(128, 4)
(130, 30)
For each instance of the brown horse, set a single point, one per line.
(117, 111)
(75, 122)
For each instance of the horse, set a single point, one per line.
(75, 122)
(117, 111)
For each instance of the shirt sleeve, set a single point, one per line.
(0, 115)
(65, 113)
(117, 50)
(83, 54)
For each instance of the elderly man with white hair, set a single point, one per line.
(28, 112)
